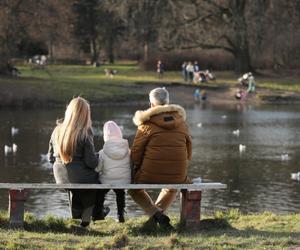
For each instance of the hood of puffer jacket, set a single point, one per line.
(116, 149)
(166, 116)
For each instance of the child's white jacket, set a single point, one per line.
(114, 162)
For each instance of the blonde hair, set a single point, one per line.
(74, 127)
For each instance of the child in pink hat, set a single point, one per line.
(114, 165)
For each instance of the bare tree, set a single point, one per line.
(216, 24)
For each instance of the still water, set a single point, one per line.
(258, 179)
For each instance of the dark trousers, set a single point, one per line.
(82, 202)
(120, 199)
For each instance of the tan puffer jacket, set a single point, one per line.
(162, 145)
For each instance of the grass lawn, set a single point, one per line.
(57, 84)
(229, 230)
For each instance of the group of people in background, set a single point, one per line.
(160, 153)
(192, 73)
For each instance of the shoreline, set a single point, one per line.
(56, 85)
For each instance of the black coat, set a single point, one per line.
(82, 167)
(80, 170)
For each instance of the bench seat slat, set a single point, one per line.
(195, 186)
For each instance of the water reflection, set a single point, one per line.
(257, 178)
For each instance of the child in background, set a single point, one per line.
(114, 165)
(197, 95)
(203, 95)
(240, 95)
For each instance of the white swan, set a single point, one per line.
(295, 176)
(284, 157)
(14, 131)
(242, 148)
(236, 132)
(14, 148)
(7, 149)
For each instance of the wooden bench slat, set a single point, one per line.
(190, 197)
(195, 186)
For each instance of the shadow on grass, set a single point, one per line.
(249, 232)
(156, 230)
(219, 227)
(214, 227)
(51, 224)
(206, 225)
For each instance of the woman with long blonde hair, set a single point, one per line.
(72, 153)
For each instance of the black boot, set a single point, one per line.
(84, 223)
(163, 220)
(120, 197)
(121, 218)
(100, 212)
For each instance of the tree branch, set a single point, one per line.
(208, 46)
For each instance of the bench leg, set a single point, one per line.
(17, 199)
(190, 208)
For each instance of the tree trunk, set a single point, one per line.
(145, 51)
(51, 51)
(3, 64)
(242, 62)
(94, 51)
(241, 45)
(110, 50)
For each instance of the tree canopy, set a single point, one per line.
(250, 31)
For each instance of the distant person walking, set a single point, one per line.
(160, 153)
(72, 153)
(160, 69)
(184, 71)
(251, 83)
(196, 72)
(190, 71)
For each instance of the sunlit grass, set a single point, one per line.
(225, 230)
(130, 72)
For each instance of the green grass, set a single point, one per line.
(229, 230)
(57, 84)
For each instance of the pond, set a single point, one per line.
(258, 178)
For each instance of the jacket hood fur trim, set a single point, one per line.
(142, 116)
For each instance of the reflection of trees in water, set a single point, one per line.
(256, 179)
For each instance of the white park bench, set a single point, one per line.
(190, 197)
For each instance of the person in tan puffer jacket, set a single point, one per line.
(160, 153)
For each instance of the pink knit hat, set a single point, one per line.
(111, 131)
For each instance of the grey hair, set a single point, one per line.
(159, 96)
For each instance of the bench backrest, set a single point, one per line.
(194, 186)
